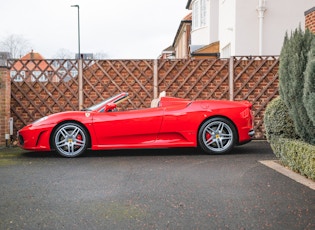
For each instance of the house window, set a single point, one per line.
(199, 14)
(42, 78)
(17, 77)
(195, 15)
(202, 13)
(37, 75)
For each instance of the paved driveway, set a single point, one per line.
(151, 189)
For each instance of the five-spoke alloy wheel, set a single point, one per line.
(70, 139)
(217, 135)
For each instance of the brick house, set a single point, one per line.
(310, 19)
(40, 69)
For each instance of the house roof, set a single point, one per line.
(169, 49)
(37, 63)
(186, 19)
(212, 49)
(195, 48)
(32, 56)
(188, 4)
(309, 11)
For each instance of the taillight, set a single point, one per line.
(246, 113)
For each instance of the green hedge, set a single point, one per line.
(297, 155)
(277, 121)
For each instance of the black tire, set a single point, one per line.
(217, 136)
(70, 139)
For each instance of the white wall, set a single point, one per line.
(246, 28)
(283, 16)
(239, 25)
(214, 21)
(227, 26)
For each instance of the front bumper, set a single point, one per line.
(34, 139)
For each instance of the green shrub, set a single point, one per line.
(293, 62)
(294, 110)
(309, 85)
(297, 155)
(277, 120)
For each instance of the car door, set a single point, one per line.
(178, 126)
(127, 128)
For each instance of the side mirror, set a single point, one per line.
(110, 107)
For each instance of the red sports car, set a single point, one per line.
(215, 126)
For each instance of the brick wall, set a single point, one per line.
(310, 19)
(5, 97)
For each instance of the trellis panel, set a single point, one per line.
(194, 79)
(105, 78)
(256, 80)
(42, 87)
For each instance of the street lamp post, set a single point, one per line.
(80, 64)
(79, 50)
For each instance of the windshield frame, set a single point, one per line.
(114, 99)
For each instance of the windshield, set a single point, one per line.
(113, 99)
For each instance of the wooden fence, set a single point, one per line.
(41, 87)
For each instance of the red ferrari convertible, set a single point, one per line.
(215, 126)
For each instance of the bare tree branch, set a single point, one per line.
(16, 45)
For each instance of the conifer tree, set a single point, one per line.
(309, 84)
(293, 61)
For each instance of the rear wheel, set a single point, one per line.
(70, 139)
(217, 136)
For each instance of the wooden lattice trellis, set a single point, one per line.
(195, 79)
(41, 87)
(256, 80)
(105, 78)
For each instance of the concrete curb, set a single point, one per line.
(287, 172)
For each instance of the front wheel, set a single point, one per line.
(217, 136)
(70, 140)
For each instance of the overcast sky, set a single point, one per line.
(123, 29)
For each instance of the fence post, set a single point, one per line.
(80, 81)
(231, 78)
(155, 78)
(5, 100)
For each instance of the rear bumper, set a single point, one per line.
(251, 133)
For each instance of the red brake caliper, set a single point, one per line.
(79, 137)
(208, 136)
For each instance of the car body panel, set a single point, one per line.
(127, 127)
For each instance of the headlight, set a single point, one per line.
(40, 120)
